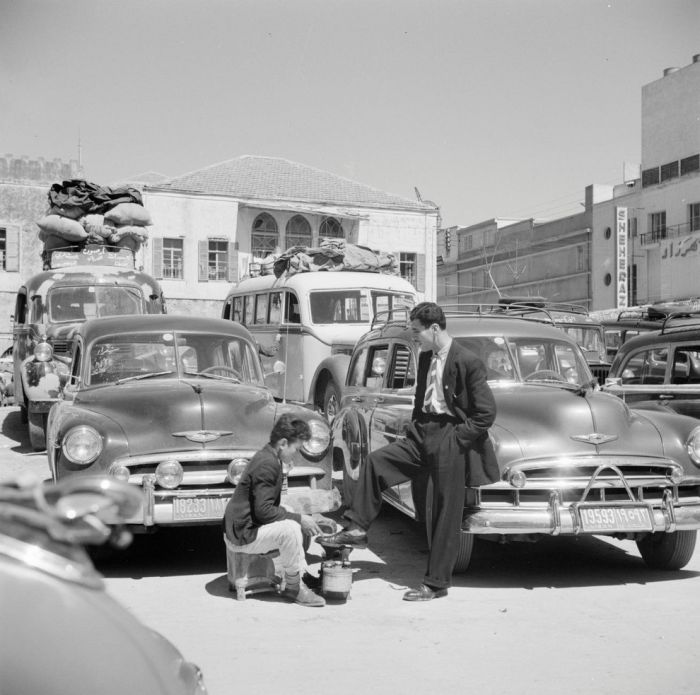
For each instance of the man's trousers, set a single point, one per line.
(429, 451)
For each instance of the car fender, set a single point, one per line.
(333, 368)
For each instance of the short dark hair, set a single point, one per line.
(289, 427)
(428, 313)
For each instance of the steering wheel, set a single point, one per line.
(544, 374)
(221, 368)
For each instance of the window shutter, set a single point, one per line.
(420, 272)
(12, 248)
(232, 263)
(203, 261)
(157, 257)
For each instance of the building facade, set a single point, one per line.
(24, 185)
(634, 243)
(212, 225)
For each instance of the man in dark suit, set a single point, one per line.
(447, 442)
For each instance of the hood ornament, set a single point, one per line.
(202, 436)
(594, 438)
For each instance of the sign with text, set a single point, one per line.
(93, 255)
(621, 256)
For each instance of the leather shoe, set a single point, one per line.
(312, 581)
(424, 593)
(344, 538)
(304, 596)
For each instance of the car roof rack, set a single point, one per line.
(397, 316)
(682, 314)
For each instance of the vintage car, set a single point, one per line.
(62, 633)
(80, 285)
(660, 370)
(177, 406)
(572, 460)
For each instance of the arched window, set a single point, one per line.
(298, 232)
(331, 227)
(264, 237)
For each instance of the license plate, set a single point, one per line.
(614, 519)
(194, 508)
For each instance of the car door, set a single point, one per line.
(391, 414)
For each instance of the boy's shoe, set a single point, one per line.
(350, 539)
(304, 596)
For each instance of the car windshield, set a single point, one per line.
(160, 354)
(529, 359)
(351, 306)
(71, 304)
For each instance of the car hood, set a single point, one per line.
(538, 422)
(156, 413)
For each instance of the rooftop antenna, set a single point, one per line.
(80, 152)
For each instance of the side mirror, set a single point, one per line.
(279, 367)
(613, 381)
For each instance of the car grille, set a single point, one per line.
(600, 372)
(60, 347)
(647, 480)
(209, 469)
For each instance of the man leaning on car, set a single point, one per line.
(447, 441)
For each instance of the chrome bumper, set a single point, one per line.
(558, 519)
(159, 504)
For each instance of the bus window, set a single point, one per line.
(341, 306)
(275, 308)
(261, 308)
(237, 314)
(292, 308)
(249, 309)
(226, 314)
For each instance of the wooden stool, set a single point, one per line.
(250, 573)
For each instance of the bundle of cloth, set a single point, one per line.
(81, 212)
(334, 255)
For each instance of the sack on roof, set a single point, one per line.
(128, 214)
(63, 227)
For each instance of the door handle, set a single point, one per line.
(356, 399)
(666, 396)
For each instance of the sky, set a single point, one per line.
(489, 108)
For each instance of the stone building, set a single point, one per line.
(24, 185)
(211, 224)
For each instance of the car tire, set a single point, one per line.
(36, 425)
(667, 551)
(466, 540)
(331, 400)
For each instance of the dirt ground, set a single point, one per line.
(563, 615)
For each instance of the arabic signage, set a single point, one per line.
(621, 256)
(93, 255)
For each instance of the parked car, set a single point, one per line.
(177, 406)
(573, 460)
(80, 285)
(62, 633)
(660, 370)
(629, 323)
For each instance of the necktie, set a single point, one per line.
(432, 385)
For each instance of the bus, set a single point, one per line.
(307, 323)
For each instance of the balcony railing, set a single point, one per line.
(669, 232)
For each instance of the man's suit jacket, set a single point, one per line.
(470, 398)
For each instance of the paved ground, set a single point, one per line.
(563, 615)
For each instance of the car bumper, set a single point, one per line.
(206, 506)
(570, 519)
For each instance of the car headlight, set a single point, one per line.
(169, 473)
(320, 439)
(82, 445)
(693, 445)
(43, 352)
(235, 470)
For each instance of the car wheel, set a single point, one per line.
(667, 551)
(37, 430)
(466, 540)
(331, 401)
